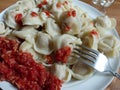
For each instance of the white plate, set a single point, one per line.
(99, 81)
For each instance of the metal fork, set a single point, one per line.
(95, 59)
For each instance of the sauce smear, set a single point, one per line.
(20, 69)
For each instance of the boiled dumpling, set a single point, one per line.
(87, 24)
(66, 40)
(62, 72)
(57, 11)
(4, 31)
(25, 46)
(43, 17)
(52, 28)
(28, 47)
(32, 18)
(71, 22)
(109, 45)
(43, 43)
(91, 39)
(105, 22)
(44, 2)
(2, 28)
(71, 60)
(11, 16)
(27, 33)
(7, 32)
(81, 70)
(25, 5)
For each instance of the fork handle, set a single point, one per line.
(117, 75)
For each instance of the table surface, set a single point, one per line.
(112, 11)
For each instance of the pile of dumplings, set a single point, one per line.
(45, 26)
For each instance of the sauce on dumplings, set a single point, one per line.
(18, 18)
(20, 69)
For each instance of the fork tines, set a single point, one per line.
(86, 53)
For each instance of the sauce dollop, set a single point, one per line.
(20, 69)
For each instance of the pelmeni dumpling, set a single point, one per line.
(38, 1)
(32, 18)
(28, 47)
(35, 55)
(25, 5)
(46, 2)
(105, 22)
(57, 11)
(91, 39)
(71, 22)
(86, 20)
(60, 6)
(10, 17)
(27, 33)
(43, 17)
(81, 71)
(43, 43)
(7, 31)
(109, 45)
(87, 23)
(2, 28)
(25, 46)
(66, 40)
(72, 60)
(62, 72)
(88, 28)
(4, 31)
(52, 28)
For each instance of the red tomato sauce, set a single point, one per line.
(20, 69)
(61, 55)
(18, 19)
